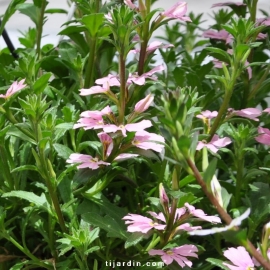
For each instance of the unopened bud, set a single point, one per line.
(144, 104)
(164, 200)
(216, 190)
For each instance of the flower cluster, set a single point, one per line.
(159, 223)
(106, 122)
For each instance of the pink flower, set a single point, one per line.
(261, 36)
(263, 21)
(200, 214)
(178, 254)
(86, 161)
(125, 156)
(163, 197)
(140, 80)
(89, 123)
(15, 87)
(141, 224)
(228, 4)
(92, 119)
(140, 126)
(264, 136)
(111, 80)
(240, 259)
(187, 227)
(153, 46)
(107, 143)
(250, 113)
(94, 90)
(130, 4)
(235, 222)
(106, 82)
(144, 104)
(220, 35)
(177, 11)
(147, 141)
(267, 110)
(214, 144)
(218, 63)
(207, 114)
(179, 212)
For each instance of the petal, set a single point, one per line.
(138, 126)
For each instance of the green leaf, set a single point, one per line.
(55, 10)
(4, 131)
(13, 131)
(240, 50)
(220, 52)
(92, 249)
(187, 180)
(218, 263)
(71, 30)
(12, 7)
(133, 239)
(210, 171)
(93, 235)
(183, 144)
(41, 83)
(62, 150)
(107, 223)
(93, 23)
(25, 168)
(30, 10)
(40, 201)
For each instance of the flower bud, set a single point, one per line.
(144, 104)
(216, 190)
(164, 200)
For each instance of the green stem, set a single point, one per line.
(91, 63)
(153, 243)
(52, 191)
(5, 168)
(12, 120)
(49, 177)
(51, 238)
(40, 26)
(239, 182)
(245, 91)
(142, 57)
(122, 101)
(28, 253)
(253, 10)
(257, 86)
(220, 115)
(170, 222)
